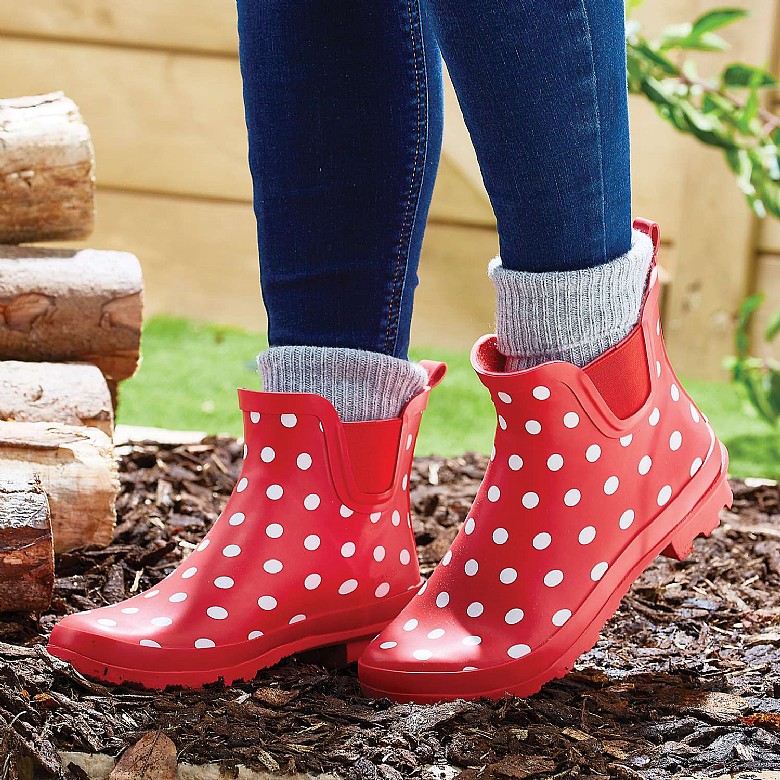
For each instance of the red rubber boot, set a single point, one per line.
(314, 548)
(594, 473)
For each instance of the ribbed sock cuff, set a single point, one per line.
(569, 315)
(361, 385)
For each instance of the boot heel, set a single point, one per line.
(702, 521)
(337, 656)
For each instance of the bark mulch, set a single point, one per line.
(684, 680)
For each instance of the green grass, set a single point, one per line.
(190, 372)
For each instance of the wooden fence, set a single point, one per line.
(159, 85)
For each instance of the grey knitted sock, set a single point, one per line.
(361, 385)
(569, 315)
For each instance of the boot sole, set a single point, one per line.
(701, 520)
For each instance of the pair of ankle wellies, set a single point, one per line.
(595, 471)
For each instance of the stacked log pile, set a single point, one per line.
(70, 330)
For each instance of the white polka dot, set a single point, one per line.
(311, 542)
(542, 541)
(501, 423)
(395, 518)
(493, 452)
(311, 502)
(422, 655)
(471, 567)
(658, 368)
(303, 461)
(626, 440)
(246, 451)
(675, 392)
(388, 645)
(410, 625)
(404, 556)
(645, 465)
(254, 635)
(204, 643)
(694, 413)
(348, 586)
(437, 633)
(515, 462)
(289, 420)
(237, 518)
(106, 622)
(254, 417)
(409, 440)
(130, 610)
(312, 582)
(217, 613)
(151, 594)
(500, 536)
(572, 497)
(274, 492)
(345, 511)
(297, 619)
(675, 441)
(224, 583)
(664, 494)
(274, 530)
(374, 517)
(189, 573)
(561, 616)
(654, 417)
(658, 328)
(267, 454)
(404, 481)
(695, 466)
(518, 651)
(571, 419)
(598, 571)
(611, 485)
(273, 566)
(231, 551)
(161, 621)
(422, 589)
(541, 393)
(514, 616)
(475, 609)
(505, 397)
(242, 485)
(626, 519)
(442, 599)
(533, 427)
(469, 526)
(445, 561)
(267, 603)
(379, 553)
(587, 534)
(530, 500)
(553, 578)
(494, 493)
(382, 590)
(149, 643)
(348, 549)
(176, 598)
(593, 453)
(471, 641)
(508, 575)
(555, 462)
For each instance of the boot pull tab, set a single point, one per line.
(436, 371)
(651, 229)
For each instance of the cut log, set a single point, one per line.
(26, 549)
(69, 393)
(77, 470)
(47, 170)
(65, 305)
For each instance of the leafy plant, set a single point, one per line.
(724, 112)
(760, 377)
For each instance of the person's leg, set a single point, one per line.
(543, 90)
(344, 114)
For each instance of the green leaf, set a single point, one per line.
(717, 18)
(739, 75)
(655, 57)
(773, 328)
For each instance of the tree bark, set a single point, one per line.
(77, 470)
(71, 305)
(26, 549)
(47, 170)
(69, 393)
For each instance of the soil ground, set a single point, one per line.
(685, 679)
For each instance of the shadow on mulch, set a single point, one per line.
(685, 679)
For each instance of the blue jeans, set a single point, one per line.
(344, 112)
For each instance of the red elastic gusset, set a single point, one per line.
(373, 447)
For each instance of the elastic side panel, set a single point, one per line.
(373, 451)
